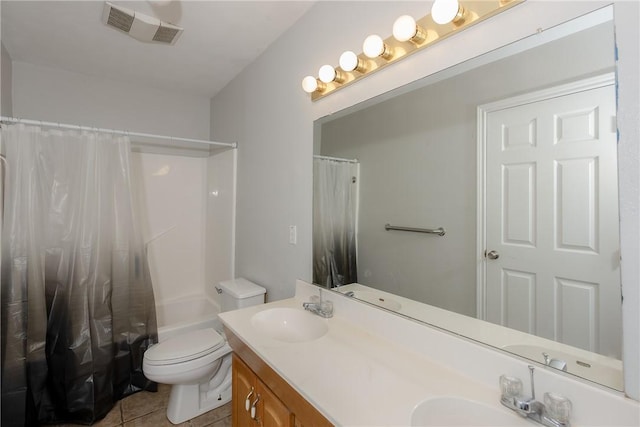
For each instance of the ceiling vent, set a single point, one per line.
(139, 26)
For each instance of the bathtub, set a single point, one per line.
(178, 316)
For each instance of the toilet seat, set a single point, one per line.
(193, 345)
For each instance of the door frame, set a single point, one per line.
(483, 110)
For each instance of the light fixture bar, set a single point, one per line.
(475, 11)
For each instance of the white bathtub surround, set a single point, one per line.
(373, 368)
(182, 315)
(173, 221)
(220, 220)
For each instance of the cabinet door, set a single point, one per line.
(243, 383)
(272, 411)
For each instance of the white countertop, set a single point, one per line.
(354, 377)
(373, 367)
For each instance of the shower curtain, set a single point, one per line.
(77, 307)
(335, 191)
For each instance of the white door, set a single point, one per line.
(552, 220)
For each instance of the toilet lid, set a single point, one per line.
(186, 347)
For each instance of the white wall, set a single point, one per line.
(172, 188)
(265, 110)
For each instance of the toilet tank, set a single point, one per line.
(239, 293)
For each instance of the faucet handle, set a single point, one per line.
(510, 386)
(557, 408)
(326, 307)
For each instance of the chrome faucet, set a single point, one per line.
(554, 412)
(319, 307)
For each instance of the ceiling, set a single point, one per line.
(220, 38)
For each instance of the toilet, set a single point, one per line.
(198, 363)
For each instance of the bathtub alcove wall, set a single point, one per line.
(186, 205)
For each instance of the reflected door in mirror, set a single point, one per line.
(552, 215)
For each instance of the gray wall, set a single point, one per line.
(49, 94)
(418, 155)
(265, 110)
(6, 100)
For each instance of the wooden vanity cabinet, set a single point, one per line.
(279, 404)
(248, 390)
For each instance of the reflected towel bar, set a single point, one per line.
(439, 231)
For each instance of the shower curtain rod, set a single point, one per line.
(337, 159)
(113, 131)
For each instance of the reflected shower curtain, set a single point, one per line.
(335, 191)
(77, 305)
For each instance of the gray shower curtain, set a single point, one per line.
(334, 222)
(77, 307)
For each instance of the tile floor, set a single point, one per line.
(146, 409)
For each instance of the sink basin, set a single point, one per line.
(377, 299)
(289, 324)
(454, 411)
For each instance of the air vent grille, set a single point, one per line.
(120, 19)
(165, 34)
(140, 26)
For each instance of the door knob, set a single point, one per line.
(492, 255)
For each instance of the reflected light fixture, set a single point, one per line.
(409, 36)
(406, 29)
(445, 11)
(374, 47)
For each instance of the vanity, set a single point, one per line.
(365, 366)
(255, 402)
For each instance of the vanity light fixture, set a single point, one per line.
(409, 36)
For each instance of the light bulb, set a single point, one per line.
(327, 73)
(404, 29)
(348, 61)
(309, 84)
(445, 11)
(373, 46)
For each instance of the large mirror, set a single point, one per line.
(483, 200)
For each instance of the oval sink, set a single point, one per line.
(379, 300)
(289, 324)
(454, 411)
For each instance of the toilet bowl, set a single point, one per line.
(197, 364)
(198, 367)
